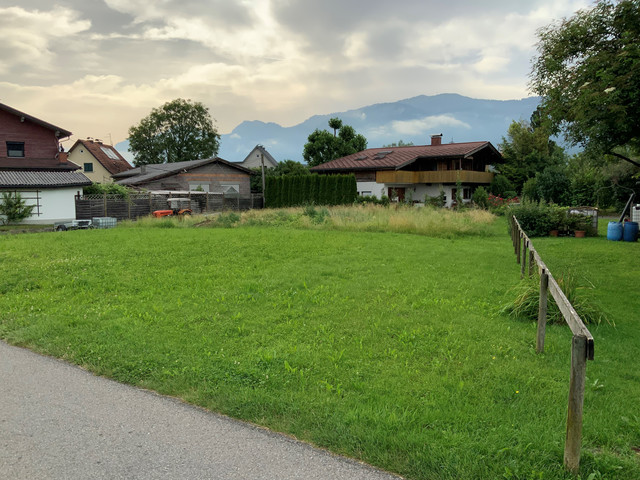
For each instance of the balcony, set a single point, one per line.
(444, 176)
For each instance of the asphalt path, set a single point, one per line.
(58, 421)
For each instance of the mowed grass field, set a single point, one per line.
(387, 347)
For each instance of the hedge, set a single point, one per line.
(295, 190)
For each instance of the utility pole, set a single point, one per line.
(262, 165)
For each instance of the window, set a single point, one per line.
(110, 153)
(198, 187)
(88, 167)
(230, 189)
(466, 193)
(15, 149)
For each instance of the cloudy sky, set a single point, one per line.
(96, 67)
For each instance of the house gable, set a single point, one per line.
(27, 142)
(97, 160)
(254, 159)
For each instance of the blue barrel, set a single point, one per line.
(630, 231)
(614, 231)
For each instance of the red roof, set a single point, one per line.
(392, 158)
(104, 154)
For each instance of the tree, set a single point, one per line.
(554, 185)
(501, 187)
(336, 124)
(322, 146)
(587, 72)
(14, 207)
(401, 143)
(528, 150)
(179, 130)
(285, 167)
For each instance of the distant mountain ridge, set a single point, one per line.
(458, 118)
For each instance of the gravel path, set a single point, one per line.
(58, 421)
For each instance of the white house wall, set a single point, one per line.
(416, 191)
(56, 204)
(376, 189)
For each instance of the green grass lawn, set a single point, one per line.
(387, 347)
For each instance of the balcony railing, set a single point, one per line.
(444, 176)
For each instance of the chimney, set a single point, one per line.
(436, 139)
(143, 169)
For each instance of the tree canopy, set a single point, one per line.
(322, 146)
(587, 72)
(177, 131)
(527, 150)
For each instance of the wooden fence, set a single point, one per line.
(581, 344)
(141, 204)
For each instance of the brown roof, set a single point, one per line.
(61, 131)
(393, 158)
(99, 151)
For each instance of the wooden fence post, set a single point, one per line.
(542, 311)
(576, 400)
(531, 260)
(523, 267)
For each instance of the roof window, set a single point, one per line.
(110, 153)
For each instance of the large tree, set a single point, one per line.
(527, 150)
(177, 131)
(587, 72)
(322, 146)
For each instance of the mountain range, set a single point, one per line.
(458, 118)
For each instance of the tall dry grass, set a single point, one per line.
(433, 222)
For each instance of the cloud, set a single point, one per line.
(416, 127)
(28, 36)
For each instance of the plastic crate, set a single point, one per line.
(104, 222)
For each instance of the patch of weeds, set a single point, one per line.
(526, 301)
(228, 220)
(317, 216)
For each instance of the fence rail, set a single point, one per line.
(582, 347)
(142, 204)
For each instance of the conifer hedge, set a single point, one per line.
(296, 190)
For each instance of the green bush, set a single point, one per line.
(480, 198)
(530, 190)
(501, 187)
(536, 218)
(14, 207)
(108, 188)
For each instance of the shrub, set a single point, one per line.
(535, 218)
(437, 201)
(500, 185)
(480, 198)
(14, 207)
(554, 185)
(108, 188)
(530, 190)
